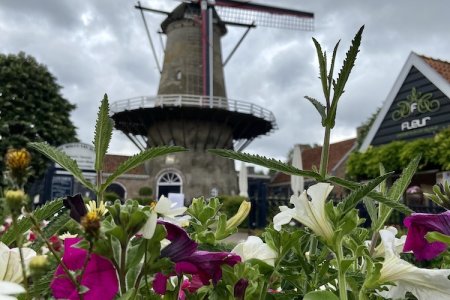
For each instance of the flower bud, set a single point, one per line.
(239, 289)
(39, 265)
(15, 200)
(18, 160)
(239, 217)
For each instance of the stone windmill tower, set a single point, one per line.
(191, 108)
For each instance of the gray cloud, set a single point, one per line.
(94, 47)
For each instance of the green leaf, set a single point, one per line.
(45, 212)
(103, 133)
(52, 228)
(359, 193)
(321, 56)
(435, 236)
(374, 195)
(266, 162)
(339, 85)
(395, 193)
(135, 160)
(64, 161)
(345, 264)
(135, 254)
(320, 108)
(400, 185)
(320, 295)
(371, 209)
(330, 74)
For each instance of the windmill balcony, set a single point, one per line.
(194, 101)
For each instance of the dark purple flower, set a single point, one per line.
(77, 207)
(418, 226)
(202, 265)
(100, 277)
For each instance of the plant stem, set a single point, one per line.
(56, 255)
(341, 274)
(22, 259)
(122, 270)
(86, 261)
(325, 152)
(99, 191)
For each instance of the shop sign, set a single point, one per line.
(416, 103)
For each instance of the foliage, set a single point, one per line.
(110, 197)
(396, 155)
(364, 128)
(145, 191)
(32, 108)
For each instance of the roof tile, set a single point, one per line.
(442, 67)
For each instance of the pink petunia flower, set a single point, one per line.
(204, 266)
(100, 276)
(419, 225)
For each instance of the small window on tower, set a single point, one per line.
(178, 75)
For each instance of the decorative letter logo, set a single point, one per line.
(416, 101)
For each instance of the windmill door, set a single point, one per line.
(169, 182)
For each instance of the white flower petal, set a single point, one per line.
(282, 218)
(310, 213)
(10, 288)
(254, 247)
(422, 283)
(149, 227)
(163, 205)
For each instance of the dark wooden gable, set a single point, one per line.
(418, 110)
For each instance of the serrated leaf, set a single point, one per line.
(395, 193)
(321, 56)
(359, 193)
(266, 162)
(64, 161)
(135, 160)
(56, 223)
(320, 108)
(43, 213)
(330, 74)
(374, 195)
(339, 84)
(103, 133)
(400, 185)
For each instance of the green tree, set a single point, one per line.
(31, 108)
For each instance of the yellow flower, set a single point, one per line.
(100, 210)
(18, 160)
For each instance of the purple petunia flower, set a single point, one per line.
(418, 226)
(100, 277)
(202, 265)
(76, 206)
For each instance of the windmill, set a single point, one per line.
(191, 108)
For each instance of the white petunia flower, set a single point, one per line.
(10, 265)
(310, 213)
(423, 283)
(10, 288)
(254, 247)
(398, 243)
(165, 208)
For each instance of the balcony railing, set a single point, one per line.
(205, 102)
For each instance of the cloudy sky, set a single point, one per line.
(98, 46)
